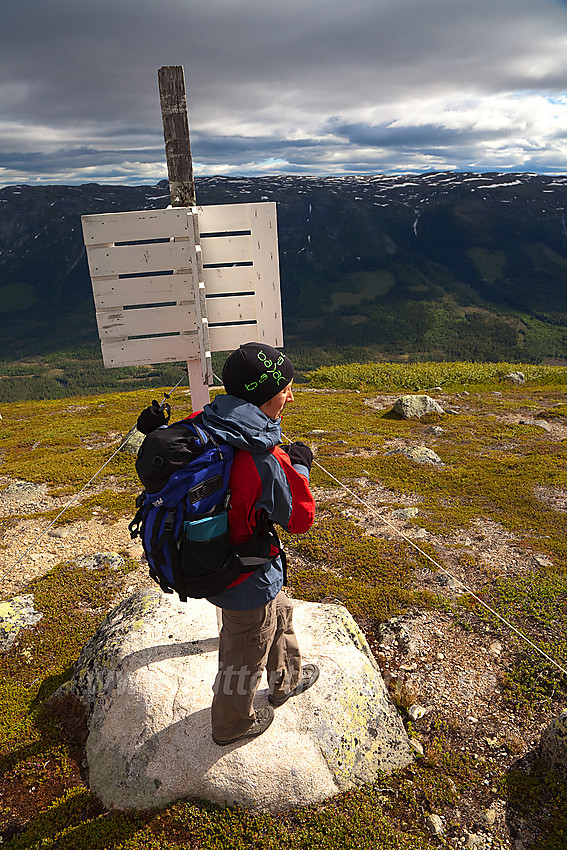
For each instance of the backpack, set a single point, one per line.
(182, 516)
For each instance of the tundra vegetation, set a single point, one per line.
(498, 468)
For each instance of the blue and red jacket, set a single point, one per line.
(262, 479)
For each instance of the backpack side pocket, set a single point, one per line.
(207, 561)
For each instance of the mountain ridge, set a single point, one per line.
(440, 265)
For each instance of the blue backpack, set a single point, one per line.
(182, 515)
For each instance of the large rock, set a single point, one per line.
(411, 406)
(146, 680)
(553, 744)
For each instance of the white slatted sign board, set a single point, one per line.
(175, 284)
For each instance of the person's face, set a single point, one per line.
(274, 406)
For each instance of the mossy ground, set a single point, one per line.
(493, 467)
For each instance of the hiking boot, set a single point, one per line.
(264, 717)
(309, 675)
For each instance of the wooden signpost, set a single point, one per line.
(176, 284)
(171, 83)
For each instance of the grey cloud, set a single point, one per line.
(209, 148)
(75, 158)
(88, 72)
(411, 136)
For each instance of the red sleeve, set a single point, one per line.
(302, 502)
(269, 482)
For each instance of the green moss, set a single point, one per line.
(73, 822)
(66, 442)
(479, 478)
(72, 601)
(492, 471)
(539, 598)
(537, 605)
(558, 413)
(372, 577)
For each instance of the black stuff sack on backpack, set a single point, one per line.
(182, 516)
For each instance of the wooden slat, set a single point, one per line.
(266, 271)
(136, 259)
(114, 324)
(224, 217)
(238, 308)
(106, 262)
(226, 280)
(118, 292)
(227, 338)
(143, 352)
(136, 226)
(226, 249)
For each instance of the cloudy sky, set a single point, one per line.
(283, 86)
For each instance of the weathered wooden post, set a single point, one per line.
(171, 83)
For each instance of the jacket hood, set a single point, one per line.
(241, 424)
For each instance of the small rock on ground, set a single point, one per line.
(410, 406)
(15, 614)
(23, 491)
(419, 454)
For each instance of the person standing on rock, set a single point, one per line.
(268, 484)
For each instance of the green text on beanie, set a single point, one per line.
(256, 372)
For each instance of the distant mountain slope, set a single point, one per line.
(441, 265)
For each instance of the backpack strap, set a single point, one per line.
(134, 527)
(159, 579)
(166, 542)
(168, 539)
(155, 571)
(204, 435)
(257, 550)
(275, 540)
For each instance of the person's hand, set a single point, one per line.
(152, 417)
(299, 453)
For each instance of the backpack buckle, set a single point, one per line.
(207, 488)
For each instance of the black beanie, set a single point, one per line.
(256, 372)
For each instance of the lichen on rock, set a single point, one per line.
(16, 614)
(100, 559)
(553, 743)
(416, 406)
(146, 681)
(132, 441)
(23, 491)
(419, 454)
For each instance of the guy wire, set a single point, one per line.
(62, 511)
(76, 496)
(438, 565)
(348, 490)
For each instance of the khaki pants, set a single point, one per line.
(251, 641)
